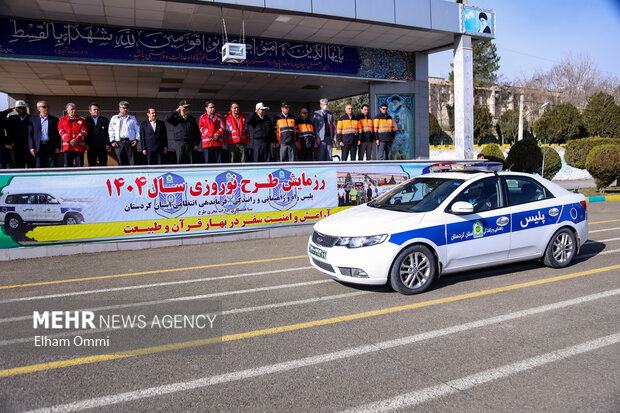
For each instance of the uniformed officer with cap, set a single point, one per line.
(17, 136)
(185, 133)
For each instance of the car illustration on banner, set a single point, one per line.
(444, 222)
(20, 209)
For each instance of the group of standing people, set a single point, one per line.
(36, 141)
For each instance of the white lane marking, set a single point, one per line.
(226, 312)
(590, 241)
(141, 286)
(291, 303)
(601, 230)
(177, 299)
(312, 360)
(409, 400)
(604, 252)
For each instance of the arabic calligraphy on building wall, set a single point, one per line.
(71, 41)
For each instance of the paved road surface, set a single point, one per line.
(515, 338)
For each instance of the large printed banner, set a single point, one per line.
(49, 40)
(98, 205)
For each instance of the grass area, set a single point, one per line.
(614, 190)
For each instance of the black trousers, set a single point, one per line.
(22, 157)
(349, 148)
(306, 154)
(213, 154)
(183, 151)
(45, 156)
(153, 157)
(95, 155)
(125, 152)
(367, 148)
(261, 151)
(73, 158)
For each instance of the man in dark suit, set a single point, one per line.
(17, 131)
(43, 137)
(154, 138)
(4, 144)
(97, 139)
(325, 129)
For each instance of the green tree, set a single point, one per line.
(434, 130)
(347, 178)
(577, 151)
(559, 124)
(392, 181)
(603, 163)
(436, 135)
(358, 101)
(553, 163)
(601, 117)
(483, 123)
(486, 63)
(337, 106)
(525, 156)
(493, 153)
(508, 127)
(450, 109)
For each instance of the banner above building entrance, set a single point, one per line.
(59, 41)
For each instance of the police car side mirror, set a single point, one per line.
(462, 208)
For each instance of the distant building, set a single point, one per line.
(497, 98)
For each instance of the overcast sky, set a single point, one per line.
(538, 34)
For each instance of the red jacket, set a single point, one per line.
(208, 128)
(73, 129)
(237, 130)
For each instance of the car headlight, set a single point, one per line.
(357, 242)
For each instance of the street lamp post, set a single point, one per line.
(545, 149)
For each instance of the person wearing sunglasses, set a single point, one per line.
(307, 137)
(43, 137)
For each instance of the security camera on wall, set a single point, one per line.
(233, 53)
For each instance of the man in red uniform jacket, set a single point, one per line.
(237, 133)
(212, 129)
(72, 130)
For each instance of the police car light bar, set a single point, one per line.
(438, 167)
(478, 166)
(463, 166)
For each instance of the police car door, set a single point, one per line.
(28, 207)
(482, 237)
(535, 213)
(50, 208)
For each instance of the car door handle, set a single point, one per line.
(28, 209)
(501, 221)
(554, 212)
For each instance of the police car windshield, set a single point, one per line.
(421, 194)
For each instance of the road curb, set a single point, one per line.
(603, 198)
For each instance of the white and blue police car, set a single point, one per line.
(444, 222)
(26, 208)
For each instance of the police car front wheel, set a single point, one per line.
(561, 249)
(12, 222)
(414, 270)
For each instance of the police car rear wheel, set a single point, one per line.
(561, 249)
(72, 219)
(414, 270)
